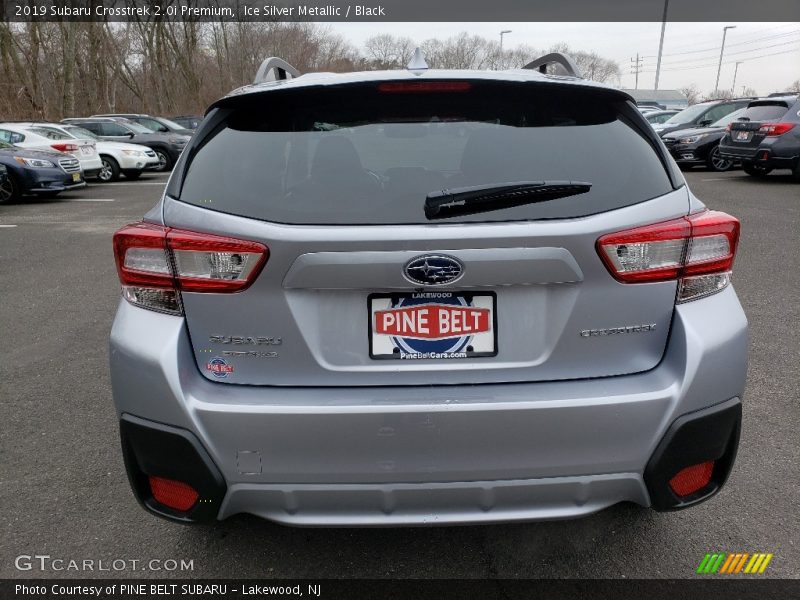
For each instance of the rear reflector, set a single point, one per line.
(155, 262)
(173, 494)
(424, 87)
(775, 129)
(703, 243)
(692, 479)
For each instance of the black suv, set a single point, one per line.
(701, 115)
(766, 136)
(157, 124)
(700, 145)
(167, 146)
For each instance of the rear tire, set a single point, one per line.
(109, 171)
(9, 191)
(132, 174)
(756, 170)
(715, 162)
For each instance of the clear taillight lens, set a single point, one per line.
(697, 250)
(155, 262)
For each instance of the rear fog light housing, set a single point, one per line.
(173, 494)
(692, 479)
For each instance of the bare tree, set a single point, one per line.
(691, 92)
(386, 51)
(62, 69)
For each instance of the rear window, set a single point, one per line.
(363, 155)
(767, 111)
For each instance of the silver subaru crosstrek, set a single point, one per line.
(426, 297)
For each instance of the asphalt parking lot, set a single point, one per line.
(64, 491)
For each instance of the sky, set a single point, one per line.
(769, 53)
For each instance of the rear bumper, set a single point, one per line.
(435, 454)
(776, 153)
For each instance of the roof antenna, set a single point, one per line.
(417, 65)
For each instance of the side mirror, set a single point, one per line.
(130, 134)
(705, 122)
(163, 129)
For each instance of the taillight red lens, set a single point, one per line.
(173, 494)
(65, 147)
(700, 244)
(140, 250)
(423, 87)
(775, 129)
(154, 262)
(692, 479)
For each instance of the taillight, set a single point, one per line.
(154, 263)
(65, 147)
(697, 250)
(775, 129)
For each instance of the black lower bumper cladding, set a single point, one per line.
(154, 449)
(704, 435)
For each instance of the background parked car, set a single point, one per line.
(656, 117)
(700, 145)
(28, 135)
(766, 136)
(41, 172)
(158, 124)
(6, 190)
(167, 146)
(700, 115)
(188, 121)
(117, 157)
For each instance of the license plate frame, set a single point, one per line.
(743, 136)
(483, 344)
(76, 177)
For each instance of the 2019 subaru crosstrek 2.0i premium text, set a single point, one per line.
(396, 298)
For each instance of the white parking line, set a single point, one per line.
(717, 179)
(90, 200)
(7, 225)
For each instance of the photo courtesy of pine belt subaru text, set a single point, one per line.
(426, 297)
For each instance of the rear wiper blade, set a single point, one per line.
(496, 196)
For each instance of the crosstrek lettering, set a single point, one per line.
(432, 321)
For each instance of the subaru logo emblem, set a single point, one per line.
(432, 269)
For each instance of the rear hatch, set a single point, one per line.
(746, 134)
(361, 288)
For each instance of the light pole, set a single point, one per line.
(661, 42)
(502, 33)
(735, 71)
(721, 52)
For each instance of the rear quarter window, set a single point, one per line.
(358, 155)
